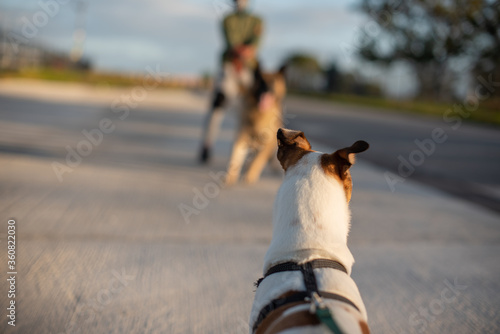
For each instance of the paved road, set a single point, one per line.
(465, 160)
(107, 250)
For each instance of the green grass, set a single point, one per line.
(92, 78)
(488, 112)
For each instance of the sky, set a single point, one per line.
(184, 37)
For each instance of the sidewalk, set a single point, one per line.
(109, 251)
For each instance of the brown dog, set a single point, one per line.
(261, 117)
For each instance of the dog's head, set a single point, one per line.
(268, 89)
(293, 146)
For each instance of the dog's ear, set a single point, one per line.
(349, 153)
(257, 72)
(282, 70)
(345, 158)
(279, 83)
(338, 163)
(287, 137)
(292, 145)
(260, 85)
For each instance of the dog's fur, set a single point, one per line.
(311, 220)
(258, 125)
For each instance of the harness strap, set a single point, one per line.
(295, 298)
(305, 297)
(309, 278)
(292, 266)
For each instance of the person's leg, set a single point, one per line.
(212, 125)
(226, 90)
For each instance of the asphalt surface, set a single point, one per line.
(108, 249)
(462, 159)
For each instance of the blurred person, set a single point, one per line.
(242, 32)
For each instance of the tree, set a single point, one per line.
(305, 61)
(429, 34)
(304, 72)
(348, 83)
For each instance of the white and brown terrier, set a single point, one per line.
(308, 264)
(260, 118)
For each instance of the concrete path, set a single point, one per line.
(447, 152)
(108, 250)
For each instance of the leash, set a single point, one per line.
(312, 294)
(323, 314)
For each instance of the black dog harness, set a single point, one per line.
(312, 294)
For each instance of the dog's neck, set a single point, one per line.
(311, 217)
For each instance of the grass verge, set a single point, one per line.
(88, 77)
(488, 112)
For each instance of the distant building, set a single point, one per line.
(302, 79)
(304, 72)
